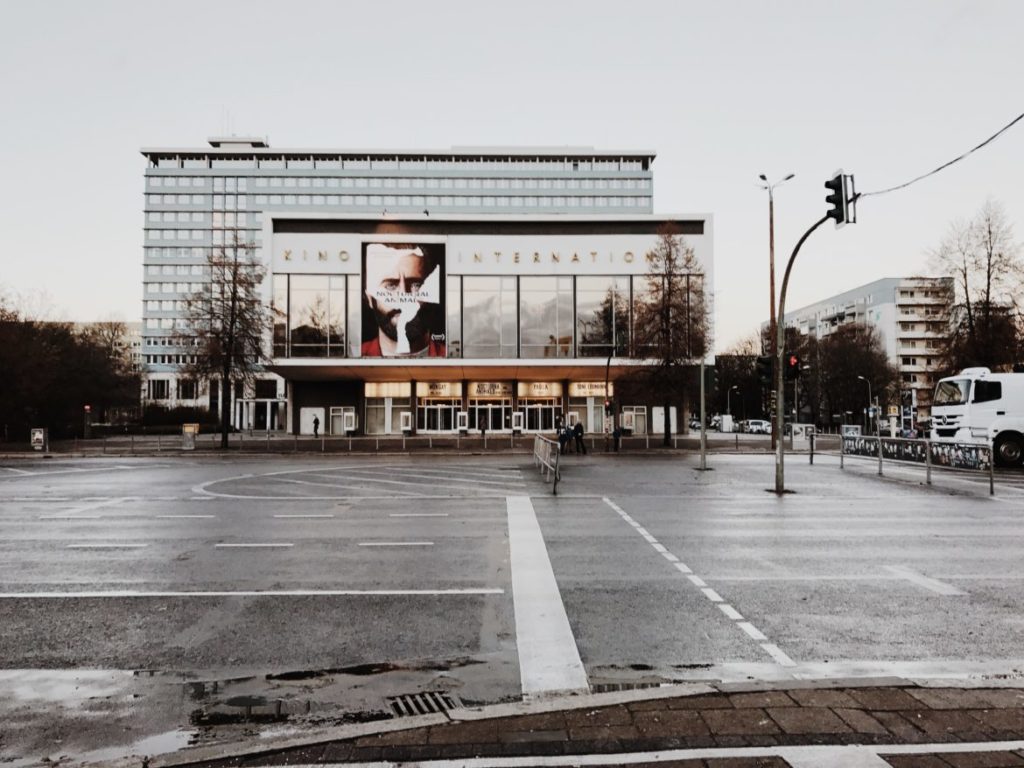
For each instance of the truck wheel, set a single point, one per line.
(1009, 450)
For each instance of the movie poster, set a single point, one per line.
(403, 300)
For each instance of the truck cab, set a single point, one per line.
(980, 407)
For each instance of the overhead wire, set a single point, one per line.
(990, 139)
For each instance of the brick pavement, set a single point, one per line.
(904, 714)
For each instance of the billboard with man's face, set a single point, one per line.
(403, 300)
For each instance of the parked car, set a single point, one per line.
(759, 427)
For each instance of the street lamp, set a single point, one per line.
(728, 406)
(869, 395)
(771, 269)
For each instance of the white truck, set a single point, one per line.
(981, 407)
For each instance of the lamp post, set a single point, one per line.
(771, 268)
(869, 398)
(728, 394)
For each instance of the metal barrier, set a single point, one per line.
(545, 457)
(971, 457)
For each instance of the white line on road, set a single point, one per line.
(375, 473)
(750, 629)
(396, 543)
(549, 660)
(255, 593)
(106, 546)
(731, 612)
(18, 471)
(418, 514)
(683, 568)
(933, 585)
(96, 505)
(255, 545)
(697, 581)
(711, 595)
(186, 517)
(70, 517)
(773, 650)
(303, 516)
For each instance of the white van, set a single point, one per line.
(981, 407)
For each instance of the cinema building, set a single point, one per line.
(444, 292)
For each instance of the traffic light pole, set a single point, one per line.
(780, 328)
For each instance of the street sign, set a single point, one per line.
(38, 438)
(894, 410)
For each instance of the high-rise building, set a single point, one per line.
(522, 252)
(911, 314)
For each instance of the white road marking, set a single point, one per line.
(731, 612)
(18, 471)
(770, 648)
(186, 517)
(106, 546)
(96, 505)
(303, 516)
(254, 545)
(70, 517)
(254, 593)
(396, 543)
(549, 660)
(311, 482)
(933, 585)
(750, 629)
(418, 514)
(804, 756)
(773, 650)
(375, 473)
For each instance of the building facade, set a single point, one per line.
(912, 316)
(427, 291)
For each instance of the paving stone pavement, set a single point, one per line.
(883, 715)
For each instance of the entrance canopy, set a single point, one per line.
(449, 369)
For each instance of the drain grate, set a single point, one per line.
(426, 703)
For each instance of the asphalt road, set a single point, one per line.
(141, 597)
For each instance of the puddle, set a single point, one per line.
(64, 687)
(160, 744)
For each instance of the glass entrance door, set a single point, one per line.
(492, 415)
(539, 413)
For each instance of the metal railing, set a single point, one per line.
(969, 457)
(545, 457)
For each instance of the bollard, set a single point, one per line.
(296, 445)
(879, 455)
(842, 451)
(737, 441)
(927, 462)
(268, 441)
(812, 448)
(158, 442)
(323, 443)
(991, 471)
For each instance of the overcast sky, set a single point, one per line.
(722, 91)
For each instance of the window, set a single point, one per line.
(489, 316)
(186, 389)
(545, 316)
(987, 391)
(602, 316)
(158, 389)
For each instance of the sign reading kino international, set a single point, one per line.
(439, 323)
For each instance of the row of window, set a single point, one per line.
(478, 317)
(339, 162)
(170, 360)
(216, 219)
(160, 389)
(232, 185)
(175, 269)
(174, 287)
(218, 236)
(448, 201)
(217, 202)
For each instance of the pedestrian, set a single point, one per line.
(577, 433)
(563, 440)
(616, 436)
(316, 426)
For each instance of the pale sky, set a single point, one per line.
(722, 91)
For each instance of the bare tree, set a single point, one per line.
(229, 323)
(671, 323)
(984, 259)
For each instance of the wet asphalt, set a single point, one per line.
(182, 598)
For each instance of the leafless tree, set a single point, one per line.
(671, 324)
(984, 259)
(229, 323)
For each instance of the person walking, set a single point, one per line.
(577, 433)
(316, 426)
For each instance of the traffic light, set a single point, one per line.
(792, 367)
(607, 407)
(841, 198)
(764, 369)
(836, 198)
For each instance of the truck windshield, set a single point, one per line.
(952, 392)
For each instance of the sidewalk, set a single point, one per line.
(901, 725)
